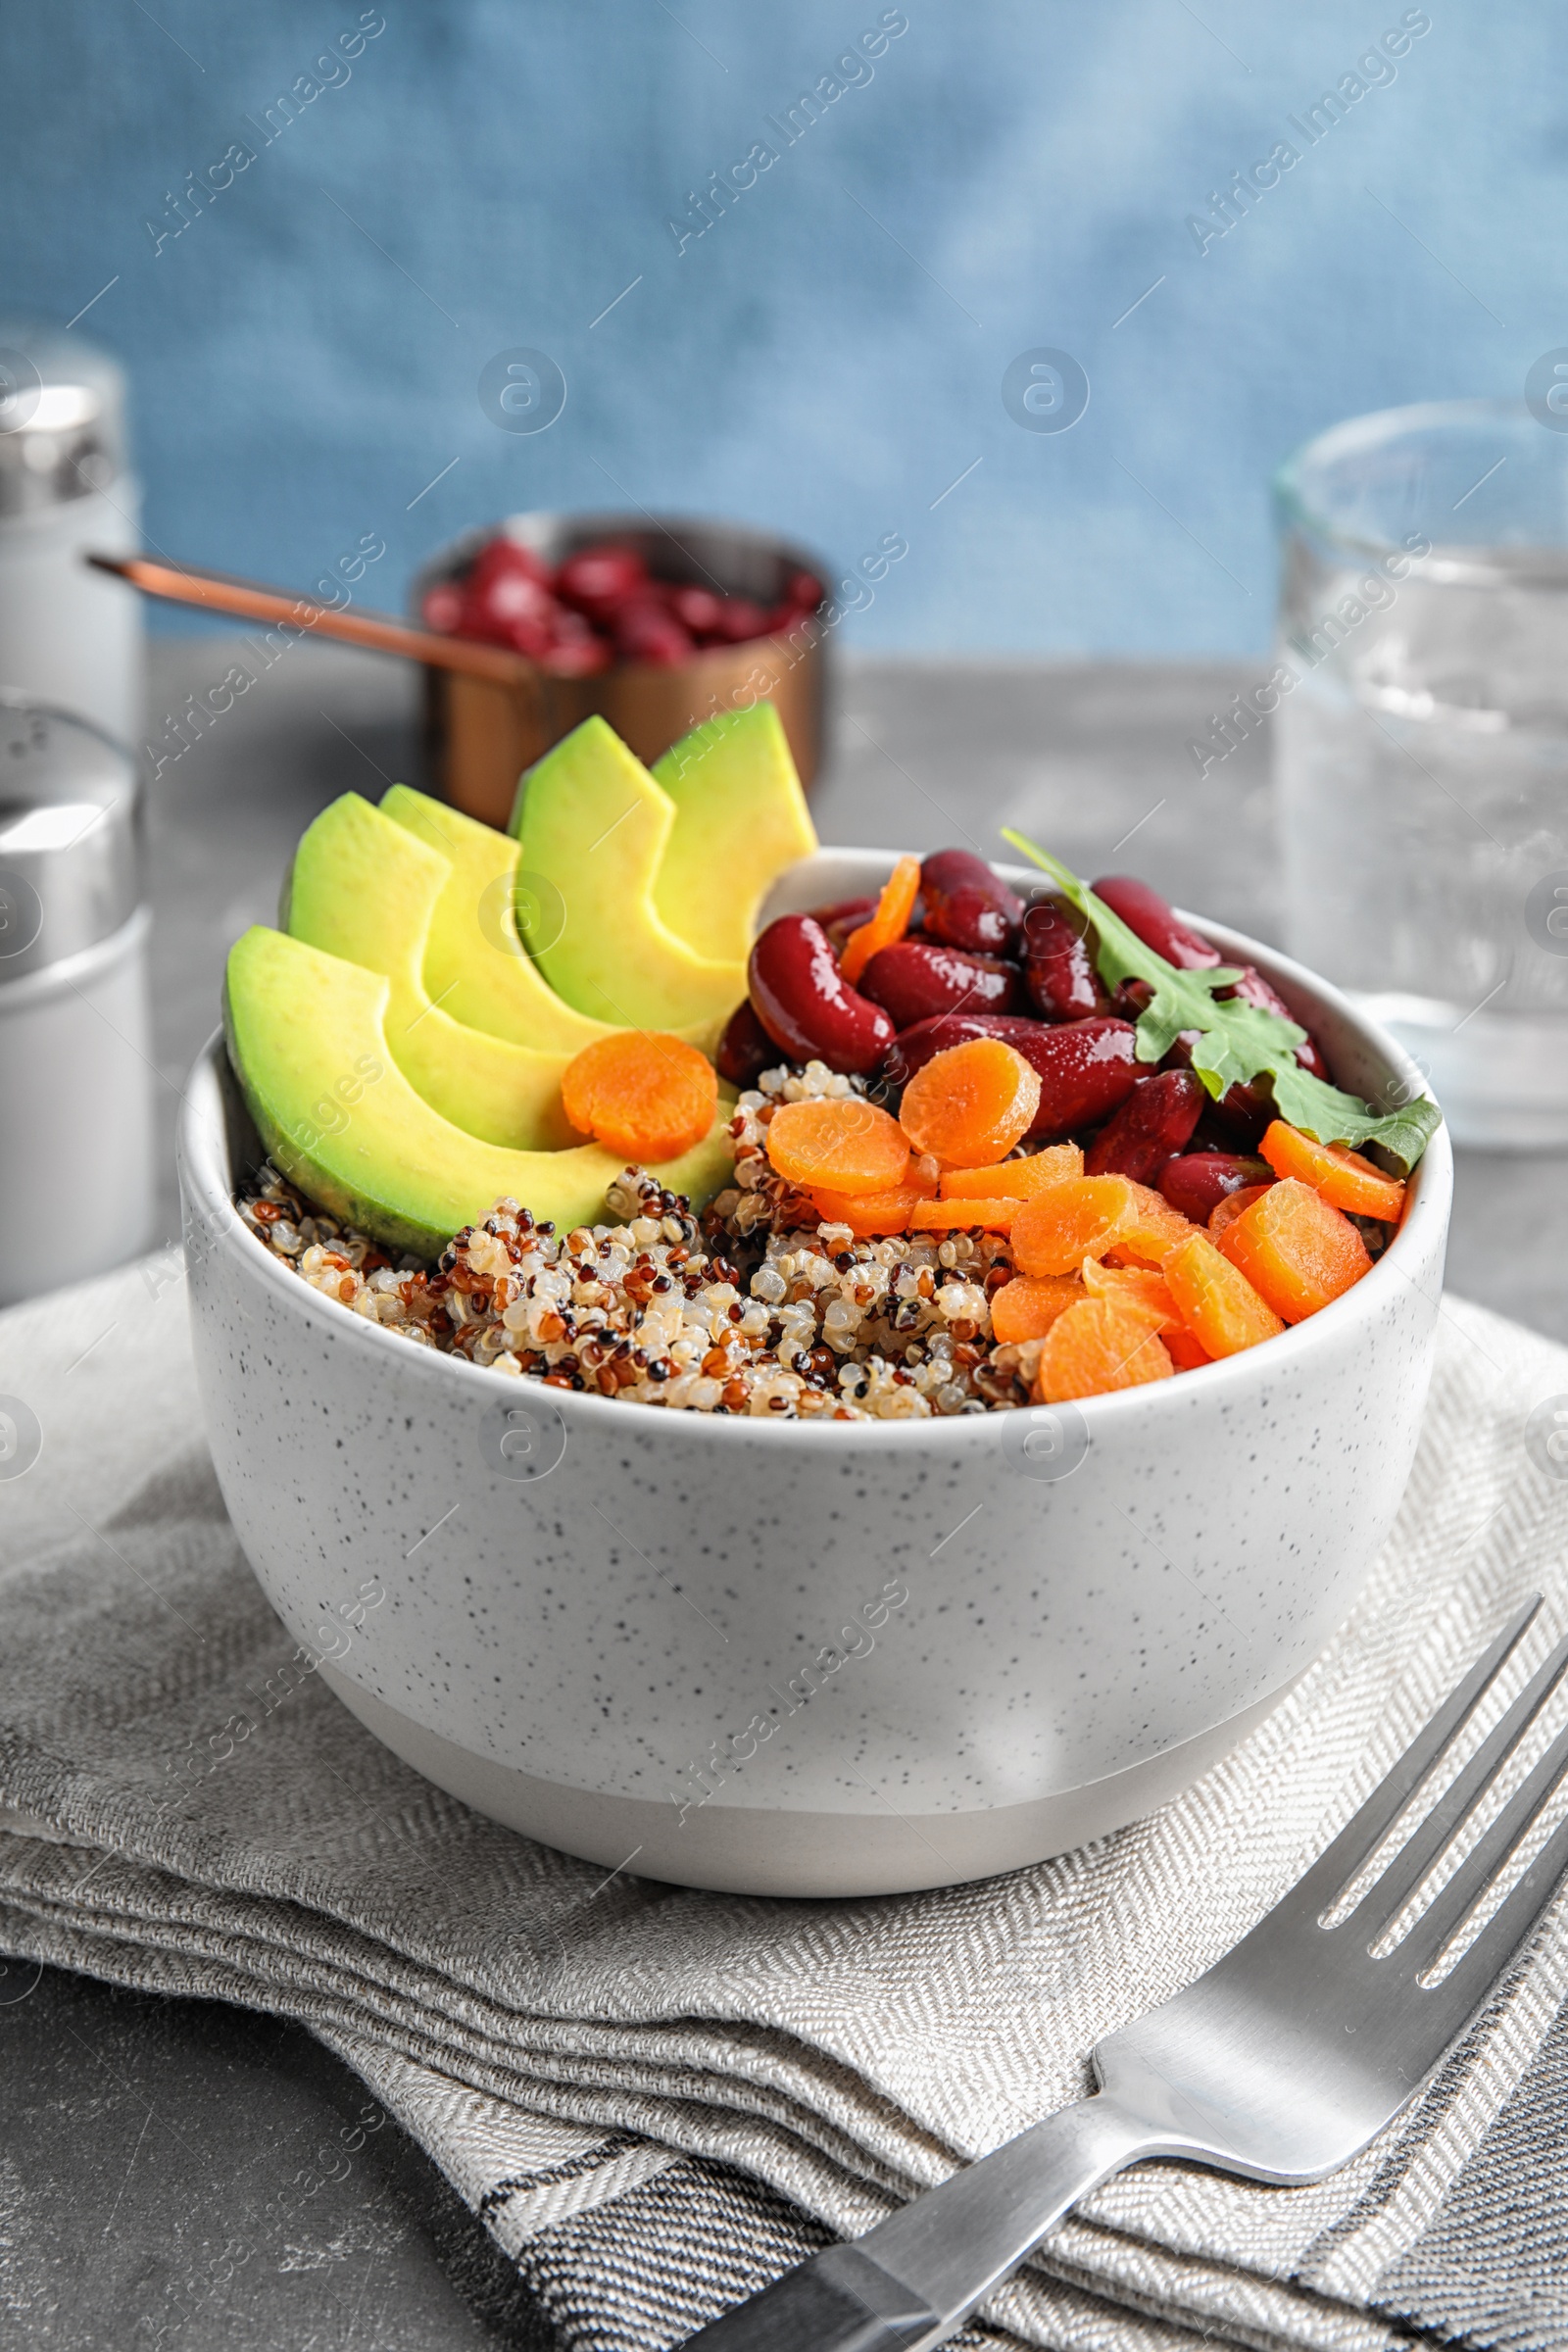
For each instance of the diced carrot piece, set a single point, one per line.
(844, 1145)
(641, 1093)
(1344, 1178)
(1015, 1179)
(1095, 1348)
(1026, 1308)
(1235, 1204)
(1083, 1217)
(1216, 1300)
(1153, 1229)
(969, 1105)
(957, 1216)
(887, 922)
(1138, 1289)
(1186, 1352)
(867, 1214)
(1296, 1250)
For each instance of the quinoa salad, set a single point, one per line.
(973, 1151)
(759, 1306)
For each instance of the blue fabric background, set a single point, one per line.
(828, 356)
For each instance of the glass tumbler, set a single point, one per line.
(1421, 745)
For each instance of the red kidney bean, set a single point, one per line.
(1159, 927)
(968, 906)
(1242, 1112)
(507, 599)
(442, 608)
(696, 608)
(1086, 1068)
(744, 1051)
(1197, 1182)
(646, 630)
(1151, 1126)
(841, 917)
(1057, 965)
(598, 580)
(738, 620)
(806, 1005)
(915, 979)
(1253, 989)
(1155, 923)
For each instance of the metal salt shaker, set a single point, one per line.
(78, 1166)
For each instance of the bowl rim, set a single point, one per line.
(205, 1176)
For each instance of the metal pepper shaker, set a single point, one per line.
(78, 1166)
(69, 635)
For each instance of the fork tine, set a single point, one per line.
(1451, 1905)
(1339, 1864)
(1405, 1870)
(1467, 1985)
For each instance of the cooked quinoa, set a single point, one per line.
(756, 1307)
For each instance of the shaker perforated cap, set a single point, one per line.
(61, 417)
(70, 836)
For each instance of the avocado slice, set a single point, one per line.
(596, 826)
(474, 965)
(740, 820)
(307, 1037)
(366, 890)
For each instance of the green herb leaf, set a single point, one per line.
(1236, 1042)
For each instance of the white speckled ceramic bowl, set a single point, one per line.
(802, 1659)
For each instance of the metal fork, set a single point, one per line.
(1280, 2063)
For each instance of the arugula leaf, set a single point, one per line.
(1236, 1042)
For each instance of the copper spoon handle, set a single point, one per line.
(183, 584)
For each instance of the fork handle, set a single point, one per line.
(918, 2275)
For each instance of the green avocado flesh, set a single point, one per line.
(366, 890)
(474, 963)
(307, 1035)
(594, 827)
(740, 820)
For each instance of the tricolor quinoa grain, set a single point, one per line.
(758, 1307)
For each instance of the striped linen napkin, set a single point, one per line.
(657, 2099)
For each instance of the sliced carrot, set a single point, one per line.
(969, 1105)
(1235, 1204)
(1138, 1289)
(867, 1214)
(1083, 1217)
(1026, 1308)
(1296, 1250)
(1095, 1348)
(844, 1145)
(1216, 1300)
(1186, 1352)
(1015, 1179)
(1153, 1228)
(638, 1092)
(1344, 1178)
(957, 1216)
(889, 920)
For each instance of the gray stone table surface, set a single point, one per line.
(148, 2148)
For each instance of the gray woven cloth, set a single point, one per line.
(655, 2099)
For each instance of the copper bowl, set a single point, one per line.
(481, 736)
